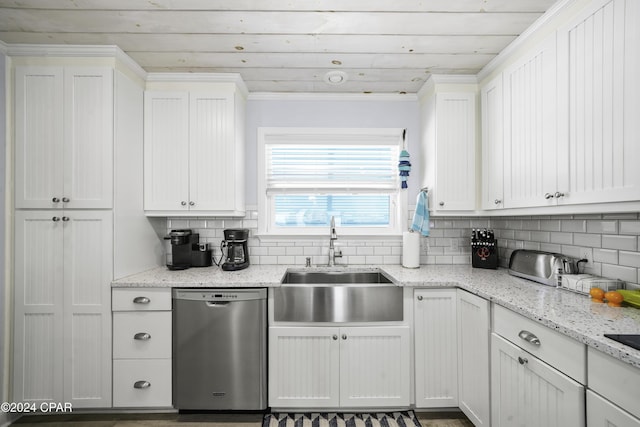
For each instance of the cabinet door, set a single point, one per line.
(474, 331)
(88, 138)
(436, 350)
(374, 367)
(88, 273)
(38, 340)
(455, 151)
(492, 144)
(602, 413)
(166, 151)
(212, 150)
(530, 152)
(304, 367)
(527, 392)
(39, 137)
(600, 62)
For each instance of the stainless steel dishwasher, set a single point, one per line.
(219, 349)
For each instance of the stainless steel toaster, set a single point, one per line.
(541, 267)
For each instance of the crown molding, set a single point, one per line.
(330, 96)
(235, 78)
(77, 51)
(506, 53)
(437, 79)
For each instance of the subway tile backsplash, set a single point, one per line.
(610, 241)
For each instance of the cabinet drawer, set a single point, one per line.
(141, 299)
(142, 335)
(559, 351)
(130, 389)
(617, 381)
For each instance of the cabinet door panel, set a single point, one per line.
(39, 136)
(436, 366)
(166, 151)
(473, 357)
(87, 315)
(530, 151)
(212, 145)
(492, 145)
(527, 392)
(599, 51)
(602, 413)
(455, 130)
(304, 367)
(38, 307)
(88, 137)
(374, 367)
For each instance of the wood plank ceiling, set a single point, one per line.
(383, 46)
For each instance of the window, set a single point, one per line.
(306, 176)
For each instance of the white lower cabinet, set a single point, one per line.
(142, 348)
(436, 348)
(474, 330)
(330, 367)
(602, 413)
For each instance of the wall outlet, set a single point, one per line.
(586, 253)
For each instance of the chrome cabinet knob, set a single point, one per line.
(65, 200)
(558, 195)
(419, 297)
(141, 300)
(183, 203)
(344, 336)
(441, 203)
(65, 218)
(335, 337)
(522, 360)
(55, 200)
(192, 203)
(548, 196)
(55, 219)
(141, 384)
(497, 201)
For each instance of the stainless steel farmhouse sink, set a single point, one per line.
(337, 296)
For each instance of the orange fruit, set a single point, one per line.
(614, 298)
(597, 294)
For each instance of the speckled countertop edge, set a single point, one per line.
(569, 313)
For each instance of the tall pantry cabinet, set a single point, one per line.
(78, 219)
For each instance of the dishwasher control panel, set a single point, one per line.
(220, 295)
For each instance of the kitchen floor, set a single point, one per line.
(427, 419)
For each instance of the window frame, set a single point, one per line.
(310, 135)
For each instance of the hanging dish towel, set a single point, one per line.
(421, 214)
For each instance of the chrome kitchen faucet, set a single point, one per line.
(332, 250)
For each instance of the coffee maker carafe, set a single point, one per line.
(237, 256)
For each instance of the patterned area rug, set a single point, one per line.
(332, 419)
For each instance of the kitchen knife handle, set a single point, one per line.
(529, 337)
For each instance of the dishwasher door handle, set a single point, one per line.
(217, 303)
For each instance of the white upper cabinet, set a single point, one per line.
(64, 137)
(599, 64)
(492, 144)
(194, 150)
(530, 144)
(449, 135)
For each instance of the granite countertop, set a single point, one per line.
(567, 312)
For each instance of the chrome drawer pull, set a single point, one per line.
(142, 336)
(141, 384)
(529, 337)
(522, 360)
(141, 300)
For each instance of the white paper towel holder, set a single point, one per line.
(413, 261)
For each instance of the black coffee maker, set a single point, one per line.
(235, 241)
(187, 251)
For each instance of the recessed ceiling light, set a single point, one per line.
(335, 77)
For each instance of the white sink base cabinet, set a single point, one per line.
(339, 367)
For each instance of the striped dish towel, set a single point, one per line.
(421, 214)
